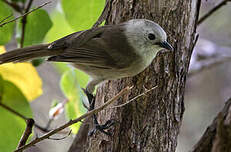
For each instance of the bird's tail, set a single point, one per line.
(27, 53)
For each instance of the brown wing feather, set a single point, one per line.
(102, 47)
(92, 53)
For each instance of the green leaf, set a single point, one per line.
(6, 32)
(62, 67)
(12, 126)
(37, 62)
(82, 14)
(81, 77)
(58, 31)
(70, 86)
(37, 25)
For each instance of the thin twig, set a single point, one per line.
(62, 137)
(203, 18)
(13, 111)
(22, 116)
(25, 14)
(138, 96)
(49, 123)
(71, 122)
(6, 18)
(24, 23)
(27, 132)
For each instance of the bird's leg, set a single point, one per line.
(96, 124)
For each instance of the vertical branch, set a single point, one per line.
(27, 132)
(24, 23)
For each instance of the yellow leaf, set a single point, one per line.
(24, 76)
(2, 49)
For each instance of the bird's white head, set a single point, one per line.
(145, 35)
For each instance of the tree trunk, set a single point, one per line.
(151, 123)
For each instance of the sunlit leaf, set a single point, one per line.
(24, 76)
(37, 25)
(82, 14)
(57, 30)
(6, 32)
(62, 67)
(12, 126)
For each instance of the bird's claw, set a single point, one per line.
(96, 124)
(102, 128)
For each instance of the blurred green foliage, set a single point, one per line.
(72, 16)
(12, 126)
(70, 85)
(6, 32)
(82, 14)
(60, 26)
(37, 62)
(38, 24)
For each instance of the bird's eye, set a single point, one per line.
(151, 36)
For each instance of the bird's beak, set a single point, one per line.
(165, 45)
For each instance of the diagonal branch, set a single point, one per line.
(1, 25)
(13, 111)
(24, 23)
(133, 99)
(6, 18)
(203, 18)
(22, 116)
(71, 122)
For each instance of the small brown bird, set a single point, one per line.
(104, 53)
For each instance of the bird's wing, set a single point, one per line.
(103, 47)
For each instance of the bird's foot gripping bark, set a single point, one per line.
(102, 128)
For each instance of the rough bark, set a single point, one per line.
(217, 137)
(80, 140)
(152, 122)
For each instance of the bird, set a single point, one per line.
(107, 52)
